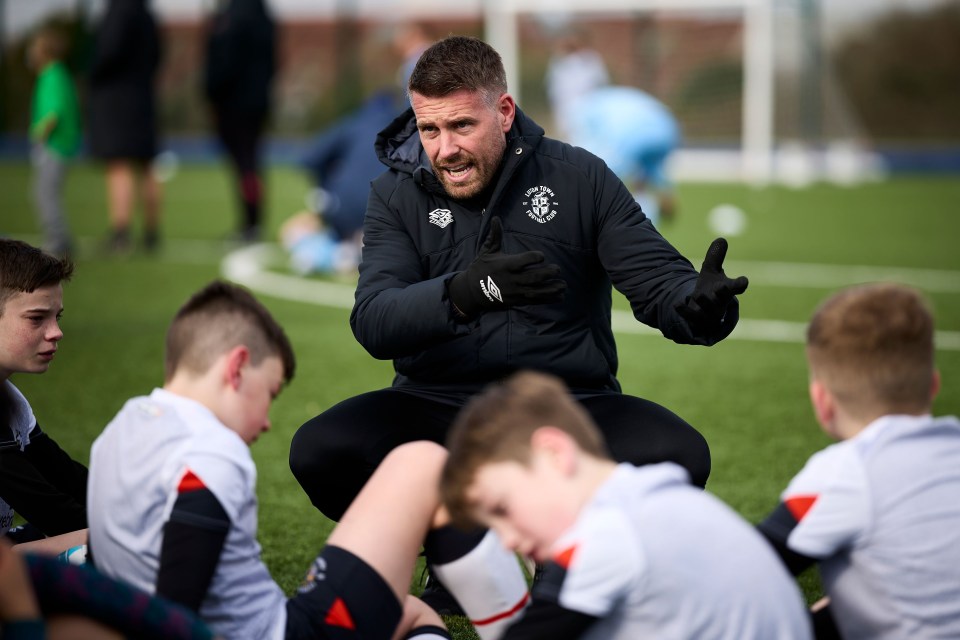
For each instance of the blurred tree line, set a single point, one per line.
(900, 73)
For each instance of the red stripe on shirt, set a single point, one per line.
(565, 557)
(190, 482)
(800, 505)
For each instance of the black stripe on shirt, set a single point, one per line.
(193, 539)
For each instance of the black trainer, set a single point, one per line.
(439, 599)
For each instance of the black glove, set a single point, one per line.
(705, 307)
(497, 280)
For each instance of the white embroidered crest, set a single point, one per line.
(316, 573)
(441, 217)
(540, 199)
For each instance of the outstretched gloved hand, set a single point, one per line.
(705, 308)
(497, 280)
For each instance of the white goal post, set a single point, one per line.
(755, 161)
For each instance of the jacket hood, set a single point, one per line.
(398, 145)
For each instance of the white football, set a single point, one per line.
(727, 220)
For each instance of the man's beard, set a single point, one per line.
(484, 166)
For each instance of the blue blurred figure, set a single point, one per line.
(635, 134)
(342, 162)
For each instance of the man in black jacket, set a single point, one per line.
(490, 248)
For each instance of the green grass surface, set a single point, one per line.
(747, 397)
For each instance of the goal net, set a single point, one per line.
(749, 80)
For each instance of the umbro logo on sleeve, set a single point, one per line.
(441, 217)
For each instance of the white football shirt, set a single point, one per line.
(654, 557)
(136, 465)
(881, 513)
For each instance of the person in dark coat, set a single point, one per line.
(238, 75)
(122, 115)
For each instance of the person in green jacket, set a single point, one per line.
(55, 133)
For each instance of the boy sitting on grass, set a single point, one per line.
(38, 480)
(879, 511)
(629, 552)
(172, 495)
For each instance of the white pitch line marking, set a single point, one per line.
(247, 266)
(830, 276)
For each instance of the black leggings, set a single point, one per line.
(334, 454)
(240, 134)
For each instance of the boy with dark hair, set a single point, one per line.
(629, 552)
(173, 498)
(38, 479)
(879, 510)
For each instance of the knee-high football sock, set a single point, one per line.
(251, 193)
(488, 583)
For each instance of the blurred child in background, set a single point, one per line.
(635, 134)
(55, 133)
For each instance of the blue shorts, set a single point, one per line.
(342, 598)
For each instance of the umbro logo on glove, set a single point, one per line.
(497, 280)
(491, 290)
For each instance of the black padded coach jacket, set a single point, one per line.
(551, 197)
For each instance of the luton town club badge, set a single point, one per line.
(540, 199)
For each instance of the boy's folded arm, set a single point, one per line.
(193, 538)
(56, 465)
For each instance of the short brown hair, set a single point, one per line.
(497, 425)
(872, 347)
(25, 268)
(52, 40)
(218, 318)
(456, 63)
